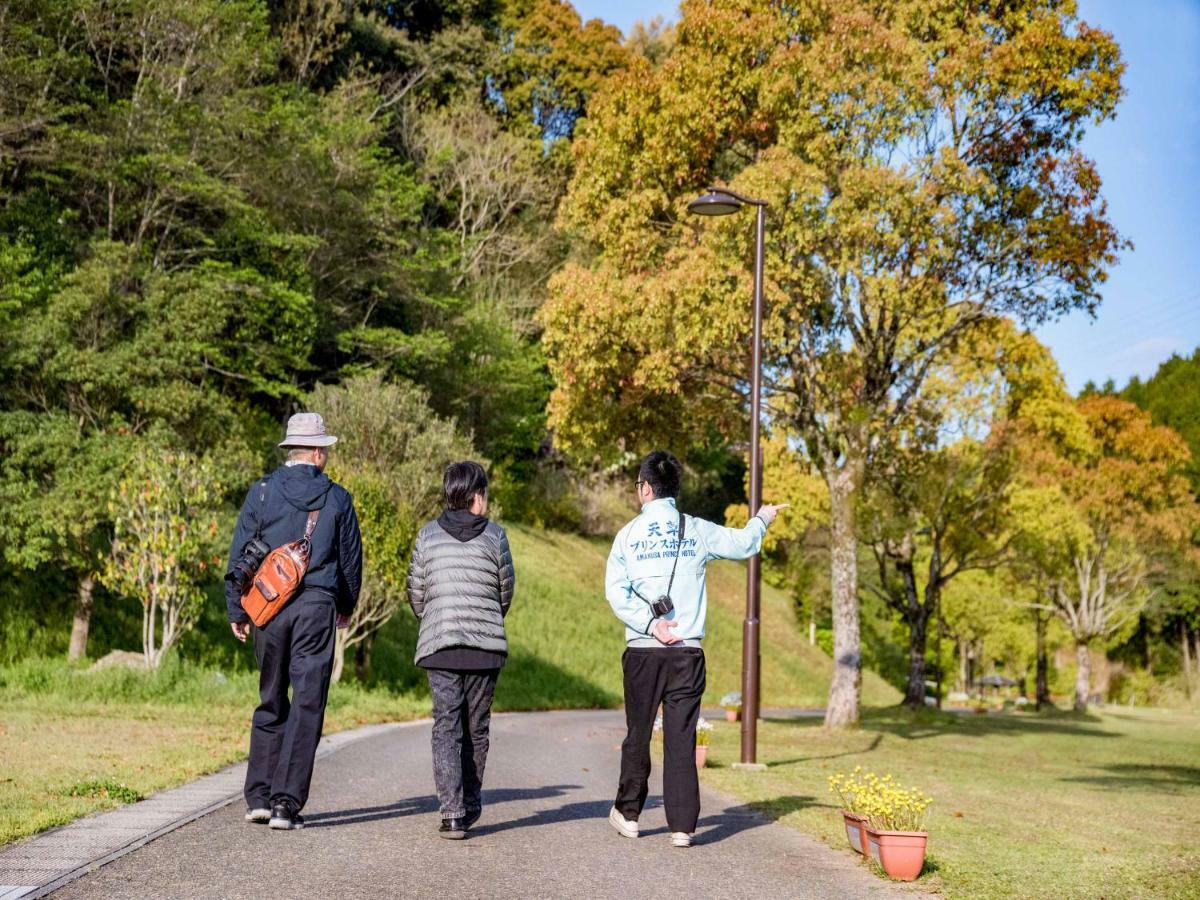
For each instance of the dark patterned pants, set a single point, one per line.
(462, 715)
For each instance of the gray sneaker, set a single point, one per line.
(258, 815)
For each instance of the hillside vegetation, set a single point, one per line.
(566, 643)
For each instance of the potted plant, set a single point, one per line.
(896, 827)
(732, 704)
(703, 739)
(849, 789)
(887, 819)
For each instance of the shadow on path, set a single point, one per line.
(709, 830)
(428, 804)
(725, 824)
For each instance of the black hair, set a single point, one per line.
(462, 481)
(662, 471)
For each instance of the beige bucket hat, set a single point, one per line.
(307, 430)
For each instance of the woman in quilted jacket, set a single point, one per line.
(460, 585)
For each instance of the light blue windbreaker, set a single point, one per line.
(642, 555)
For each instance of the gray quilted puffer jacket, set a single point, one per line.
(461, 590)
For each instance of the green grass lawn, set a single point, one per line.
(1103, 805)
(74, 742)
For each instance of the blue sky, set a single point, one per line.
(1149, 159)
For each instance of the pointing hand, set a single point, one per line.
(768, 511)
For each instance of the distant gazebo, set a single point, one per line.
(996, 682)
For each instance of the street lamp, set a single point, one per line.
(722, 202)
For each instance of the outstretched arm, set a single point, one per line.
(737, 543)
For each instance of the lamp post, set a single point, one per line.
(722, 202)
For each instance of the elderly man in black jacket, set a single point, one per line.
(296, 647)
(460, 585)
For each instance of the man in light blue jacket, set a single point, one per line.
(655, 585)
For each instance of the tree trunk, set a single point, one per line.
(339, 654)
(1083, 676)
(1043, 664)
(914, 696)
(362, 657)
(968, 664)
(961, 681)
(918, 638)
(846, 685)
(812, 633)
(1183, 643)
(83, 619)
(937, 651)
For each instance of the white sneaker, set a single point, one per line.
(623, 825)
(258, 815)
(681, 839)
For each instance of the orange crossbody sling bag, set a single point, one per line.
(279, 576)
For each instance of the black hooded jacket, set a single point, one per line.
(281, 503)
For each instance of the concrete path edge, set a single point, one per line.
(181, 805)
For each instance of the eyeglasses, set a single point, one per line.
(638, 484)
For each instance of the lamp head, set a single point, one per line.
(714, 203)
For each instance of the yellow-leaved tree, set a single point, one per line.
(1093, 516)
(921, 161)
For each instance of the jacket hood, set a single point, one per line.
(462, 524)
(303, 486)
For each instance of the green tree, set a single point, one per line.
(1092, 518)
(923, 171)
(1172, 397)
(939, 499)
(552, 64)
(391, 453)
(165, 541)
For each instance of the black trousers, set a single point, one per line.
(674, 678)
(462, 717)
(294, 649)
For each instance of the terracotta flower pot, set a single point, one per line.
(701, 756)
(872, 842)
(731, 715)
(855, 830)
(901, 853)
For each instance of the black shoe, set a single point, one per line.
(284, 817)
(453, 829)
(471, 819)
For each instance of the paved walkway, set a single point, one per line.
(549, 783)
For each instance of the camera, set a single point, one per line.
(662, 606)
(246, 566)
